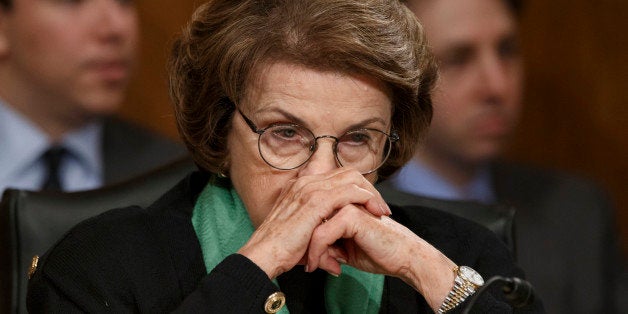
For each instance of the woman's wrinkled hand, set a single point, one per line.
(282, 239)
(364, 241)
(378, 244)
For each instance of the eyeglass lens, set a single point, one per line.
(288, 146)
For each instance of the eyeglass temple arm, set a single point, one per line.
(250, 123)
(393, 136)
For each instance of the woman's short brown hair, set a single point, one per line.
(226, 41)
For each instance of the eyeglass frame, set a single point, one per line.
(393, 137)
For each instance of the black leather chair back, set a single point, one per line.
(496, 218)
(31, 222)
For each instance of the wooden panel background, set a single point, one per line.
(576, 115)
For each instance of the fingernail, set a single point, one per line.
(335, 275)
(307, 268)
(341, 260)
(385, 209)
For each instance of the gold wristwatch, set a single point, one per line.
(466, 282)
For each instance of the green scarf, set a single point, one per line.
(222, 226)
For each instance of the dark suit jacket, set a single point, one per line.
(130, 150)
(565, 239)
(149, 260)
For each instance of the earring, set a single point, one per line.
(222, 173)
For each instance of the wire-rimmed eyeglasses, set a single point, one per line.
(287, 146)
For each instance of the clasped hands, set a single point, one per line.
(356, 231)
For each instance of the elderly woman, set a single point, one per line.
(292, 109)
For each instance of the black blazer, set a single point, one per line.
(150, 261)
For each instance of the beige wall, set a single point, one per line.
(576, 115)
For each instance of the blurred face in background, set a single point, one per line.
(71, 57)
(478, 98)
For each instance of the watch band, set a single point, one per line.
(466, 282)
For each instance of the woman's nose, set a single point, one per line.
(322, 160)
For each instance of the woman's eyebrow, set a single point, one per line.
(365, 123)
(286, 115)
(299, 121)
(291, 117)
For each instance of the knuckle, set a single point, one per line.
(348, 213)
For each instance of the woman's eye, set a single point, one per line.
(288, 133)
(285, 132)
(356, 138)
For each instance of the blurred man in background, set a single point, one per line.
(564, 233)
(64, 71)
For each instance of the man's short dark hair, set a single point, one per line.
(6, 4)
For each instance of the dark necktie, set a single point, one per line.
(52, 158)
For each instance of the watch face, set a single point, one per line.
(471, 275)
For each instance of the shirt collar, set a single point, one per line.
(85, 145)
(23, 143)
(416, 178)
